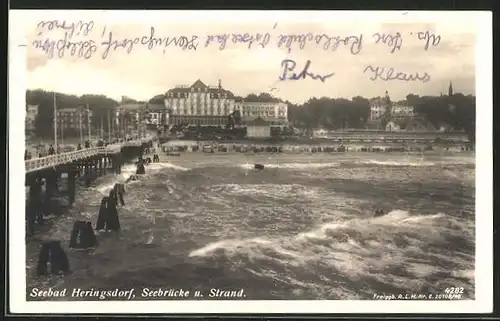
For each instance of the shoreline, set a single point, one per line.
(177, 146)
(316, 141)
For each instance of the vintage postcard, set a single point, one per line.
(250, 162)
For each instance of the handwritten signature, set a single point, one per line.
(289, 65)
(387, 74)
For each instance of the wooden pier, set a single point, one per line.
(43, 174)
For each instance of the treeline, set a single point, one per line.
(456, 112)
(98, 104)
(330, 113)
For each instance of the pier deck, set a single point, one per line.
(46, 162)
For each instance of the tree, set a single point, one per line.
(262, 97)
(157, 100)
(458, 112)
(98, 104)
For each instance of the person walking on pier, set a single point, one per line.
(51, 150)
(79, 147)
(58, 149)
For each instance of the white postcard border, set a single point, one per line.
(483, 302)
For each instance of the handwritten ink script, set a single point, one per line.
(150, 41)
(289, 65)
(387, 74)
(83, 39)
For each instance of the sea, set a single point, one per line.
(302, 228)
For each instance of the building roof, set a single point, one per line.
(199, 84)
(131, 106)
(259, 121)
(262, 103)
(67, 109)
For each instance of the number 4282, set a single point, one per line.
(457, 290)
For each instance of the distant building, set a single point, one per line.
(275, 113)
(379, 107)
(156, 114)
(130, 111)
(199, 104)
(73, 118)
(392, 126)
(130, 118)
(397, 112)
(320, 133)
(258, 128)
(401, 112)
(31, 113)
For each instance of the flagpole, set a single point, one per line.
(109, 128)
(114, 119)
(62, 132)
(88, 123)
(81, 125)
(102, 128)
(55, 121)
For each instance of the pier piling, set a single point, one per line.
(53, 253)
(43, 175)
(71, 186)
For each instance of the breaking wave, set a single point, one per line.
(303, 230)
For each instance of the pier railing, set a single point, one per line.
(58, 159)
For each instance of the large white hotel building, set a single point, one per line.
(204, 105)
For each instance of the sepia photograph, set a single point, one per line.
(250, 161)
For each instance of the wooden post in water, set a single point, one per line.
(87, 172)
(101, 167)
(119, 163)
(71, 186)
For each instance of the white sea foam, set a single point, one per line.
(357, 247)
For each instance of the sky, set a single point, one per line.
(143, 73)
